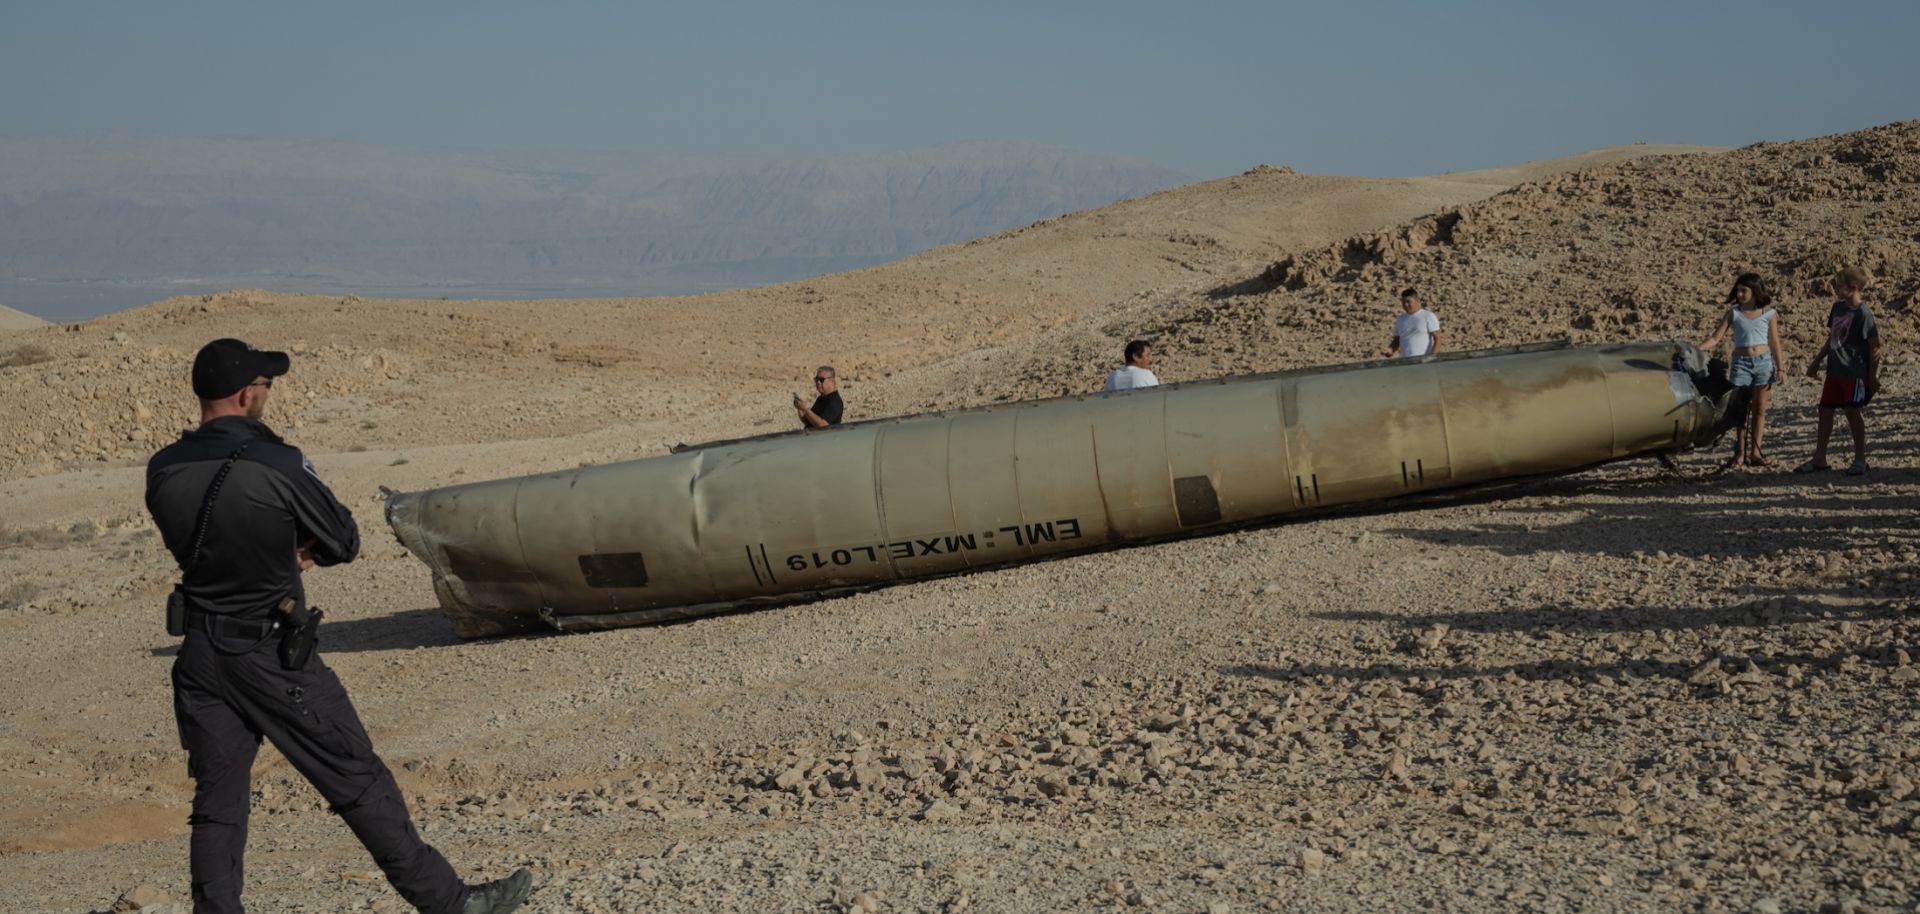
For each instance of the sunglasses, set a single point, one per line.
(818, 380)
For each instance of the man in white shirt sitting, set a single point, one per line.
(1415, 333)
(1134, 374)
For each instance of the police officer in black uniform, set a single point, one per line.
(245, 514)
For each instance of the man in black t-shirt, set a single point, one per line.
(826, 408)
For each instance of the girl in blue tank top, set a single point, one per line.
(1756, 364)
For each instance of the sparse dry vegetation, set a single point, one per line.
(17, 595)
(49, 537)
(20, 356)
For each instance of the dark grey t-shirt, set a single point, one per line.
(1848, 329)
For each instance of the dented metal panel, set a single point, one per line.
(782, 517)
(1130, 464)
(1225, 449)
(1059, 487)
(916, 505)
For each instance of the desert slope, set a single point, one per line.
(16, 320)
(1624, 690)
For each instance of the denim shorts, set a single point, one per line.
(1752, 370)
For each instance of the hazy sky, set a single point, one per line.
(1207, 88)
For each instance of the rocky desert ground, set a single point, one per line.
(1627, 689)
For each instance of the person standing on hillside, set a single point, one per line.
(1138, 357)
(827, 407)
(1758, 362)
(1852, 356)
(1415, 332)
(245, 515)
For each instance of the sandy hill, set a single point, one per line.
(17, 320)
(1645, 248)
(1622, 690)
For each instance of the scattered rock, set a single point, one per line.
(143, 897)
(1313, 861)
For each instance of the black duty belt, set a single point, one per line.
(228, 626)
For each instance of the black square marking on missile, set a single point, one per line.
(1195, 500)
(614, 569)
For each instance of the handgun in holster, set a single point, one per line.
(299, 633)
(177, 611)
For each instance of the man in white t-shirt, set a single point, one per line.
(1415, 333)
(1134, 374)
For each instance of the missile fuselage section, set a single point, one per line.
(764, 520)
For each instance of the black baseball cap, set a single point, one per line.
(224, 366)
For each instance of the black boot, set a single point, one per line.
(499, 896)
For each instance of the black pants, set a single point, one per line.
(225, 703)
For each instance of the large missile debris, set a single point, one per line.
(788, 516)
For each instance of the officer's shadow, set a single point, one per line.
(399, 631)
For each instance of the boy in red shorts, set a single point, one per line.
(1852, 355)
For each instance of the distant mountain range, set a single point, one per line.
(275, 212)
